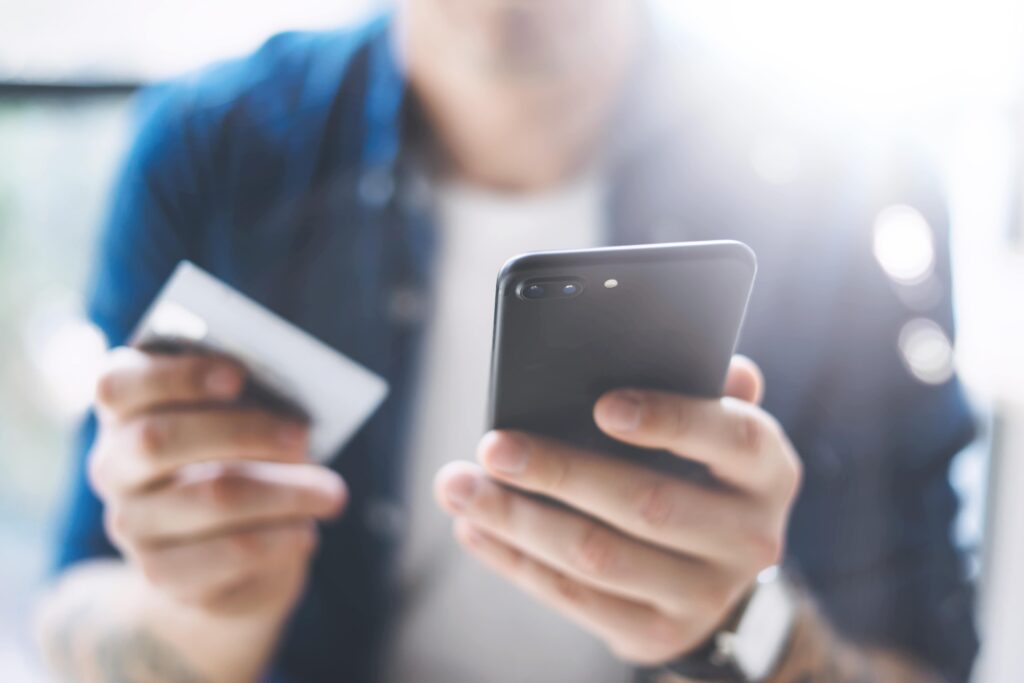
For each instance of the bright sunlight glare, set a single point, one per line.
(876, 58)
(903, 244)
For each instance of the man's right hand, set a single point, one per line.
(213, 502)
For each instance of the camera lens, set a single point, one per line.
(533, 291)
(551, 288)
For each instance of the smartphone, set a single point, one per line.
(571, 325)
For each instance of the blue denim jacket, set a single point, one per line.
(291, 174)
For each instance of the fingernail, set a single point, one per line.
(623, 410)
(291, 434)
(460, 490)
(222, 381)
(509, 455)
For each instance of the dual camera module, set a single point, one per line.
(556, 288)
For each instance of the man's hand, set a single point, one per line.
(214, 503)
(649, 563)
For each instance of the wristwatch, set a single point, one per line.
(751, 645)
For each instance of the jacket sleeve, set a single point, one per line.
(890, 572)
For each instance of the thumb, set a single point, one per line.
(744, 380)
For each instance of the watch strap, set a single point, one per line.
(702, 664)
(719, 659)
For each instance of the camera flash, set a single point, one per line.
(610, 283)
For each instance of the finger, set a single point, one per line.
(215, 498)
(676, 514)
(635, 632)
(135, 381)
(740, 443)
(204, 570)
(151, 447)
(744, 380)
(586, 550)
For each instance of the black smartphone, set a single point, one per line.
(571, 325)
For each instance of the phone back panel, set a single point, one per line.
(671, 322)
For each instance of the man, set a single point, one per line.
(366, 185)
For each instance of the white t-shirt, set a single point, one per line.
(458, 622)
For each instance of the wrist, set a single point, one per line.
(224, 644)
(104, 621)
(750, 645)
(804, 652)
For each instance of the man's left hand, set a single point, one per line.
(651, 564)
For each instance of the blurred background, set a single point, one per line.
(950, 74)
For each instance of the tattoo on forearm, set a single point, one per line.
(136, 655)
(62, 643)
(124, 655)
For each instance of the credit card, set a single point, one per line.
(289, 370)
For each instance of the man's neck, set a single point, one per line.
(518, 91)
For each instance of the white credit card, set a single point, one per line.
(336, 394)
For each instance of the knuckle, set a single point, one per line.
(595, 552)
(567, 589)
(558, 473)
(116, 523)
(713, 601)
(506, 509)
(296, 545)
(525, 570)
(794, 475)
(664, 632)
(152, 570)
(151, 436)
(108, 382)
(304, 540)
(223, 490)
(243, 430)
(786, 477)
(679, 606)
(178, 375)
(771, 423)
(246, 571)
(244, 546)
(193, 372)
(106, 389)
(680, 420)
(751, 431)
(654, 503)
(207, 595)
(766, 550)
(256, 430)
(250, 573)
(97, 468)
